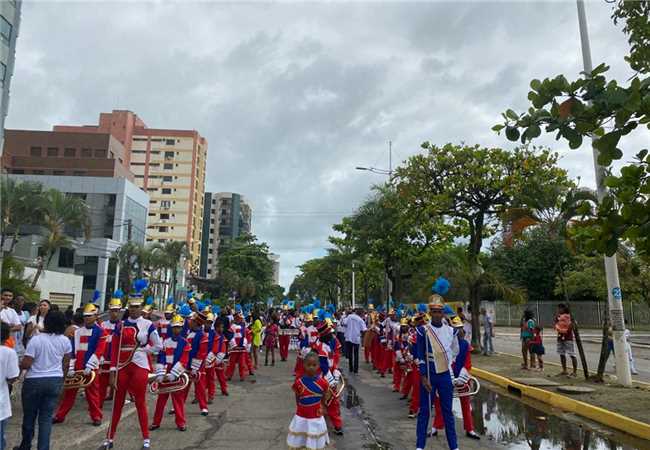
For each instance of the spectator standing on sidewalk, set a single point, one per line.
(354, 327)
(8, 374)
(565, 347)
(628, 349)
(488, 332)
(526, 327)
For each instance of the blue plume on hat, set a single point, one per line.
(189, 294)
(216, 310)
(321, 314)
(96, 295)
(184, 310)
(149, 301)
(140, 285)
(331, 308)
(327, 316)
(118, 293)
(422, 307)
(316, 303)
(285, 301)
(441, 286)
(447, 310)
(238, 307)
(170, 300)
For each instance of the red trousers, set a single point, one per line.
(220, 371)
(178, 403)
(200, 390)
(334, 413)
(382, 356)
(466, 408)
(237, 358)
(210, 381)
(398, 375)
(103, 387)
(284, 346)
(132, 379)
(389, 359)
(249, 362)
(92, 397)
(415, 386)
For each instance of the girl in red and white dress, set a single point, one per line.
(308, 428)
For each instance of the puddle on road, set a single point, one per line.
(519, 424)
(354, 403)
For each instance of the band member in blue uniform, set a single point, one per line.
(434, 350)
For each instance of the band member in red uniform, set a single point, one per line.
(220, 350)
(399, 347)
(134, 339)
(286, 324)
(327, 347)
(163, 324)
(87, 347)
(238, 348)
(172, 363)
(210, 359)
(114, 315)
(198, 339)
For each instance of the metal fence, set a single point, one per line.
(587, 314)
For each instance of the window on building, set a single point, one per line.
(166, 191)
(170, 141)
(58, 172)
(18, 171)
(167, 179)
(164, 216)
(139, 176)
(139, 139)
(162, 240)
(209, 260)
(78, 173)
(86, 153)
(165, 204)
(35, 151)
(163, 229)
(52, 152)
(169, 154)
(38, 172)
(168, 166)
(5, 30)
(137, 164)
(139, 152)
(100, 153)
(66, 258)
(69, 152)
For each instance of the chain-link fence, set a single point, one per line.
(587, 314)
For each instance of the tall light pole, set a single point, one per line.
(354, 303)
(388, 172)
(614, 294)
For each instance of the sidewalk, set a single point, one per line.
(630, 402)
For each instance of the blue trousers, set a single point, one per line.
(441, 384)
(40, 396)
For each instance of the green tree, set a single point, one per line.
(171, 255)
(606, 110)
(244, 266)
(20, 206)
(471, 187)
(61, 214)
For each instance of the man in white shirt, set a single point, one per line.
(8, 315)
(354, 326)
(8, 374)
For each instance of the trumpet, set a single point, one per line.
(167, 387)
(78, 380)
(468, 389)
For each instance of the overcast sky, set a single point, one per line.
(291, 97)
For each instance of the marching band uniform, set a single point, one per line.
(137, 337)
(220, 350)
(172, 363)
(380, 349)
(399, 372)
(199, 351)
(369, 336)
(286, 323)
(238, 345)
(87, 347)
(434, 348)
(308, 428)
(210, 366)
(115, 304)
(327, 347)
(305, 345)
(163, 324)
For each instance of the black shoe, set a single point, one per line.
(171, 412)
(210, 401)
(154, 427)
(195, 401)
(432, 433)
(97, 423)
(338, 431)
(472, 435)
(204, 412)
(403, 397)
(56, 421)
(181, 428)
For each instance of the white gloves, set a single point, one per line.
(463, 377)
(210, 359)
(220, 357)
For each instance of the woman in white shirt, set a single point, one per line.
(8, 374)
(36, 322)
(46, 360)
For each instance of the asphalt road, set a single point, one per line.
(507, 341)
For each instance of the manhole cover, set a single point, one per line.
(575, 389)
(536, 381)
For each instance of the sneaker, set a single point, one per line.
(183, 428)
(473, 435)
(171, 412)
(204, 412)
(146, 443)
(403, 397)
(412, 415)
(635, 372)
(108, 443)
(338, 431)
(97, 423)
(57, 420)
(224, 393)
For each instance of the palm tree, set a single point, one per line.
(20, 202)
(61, 213)
(173, 254)
(555, 211)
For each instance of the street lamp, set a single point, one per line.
(388, 172)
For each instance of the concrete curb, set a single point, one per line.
(600, 415)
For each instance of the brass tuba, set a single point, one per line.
(167, 387)
(468, 389)
(340, 387)
(78, 380)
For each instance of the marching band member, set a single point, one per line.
(210, 366)
(327, 347)
(378, 357)
(399, 347)
(114, 314)
(163, 324)
(87, 347)
(369, 336)
(286, 324)
(133, 340)
(147, 310)
(461, 367)
(305, 336)
(198, 339)
(415, 379)
(436, 343)
(172, 363)
(238, 348)
(220, 351)
(391, 329)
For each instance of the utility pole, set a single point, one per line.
(614, 294)
(354, 304)
(390, 160)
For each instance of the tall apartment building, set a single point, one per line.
(226, 215)
(169, 165)
(9, 24)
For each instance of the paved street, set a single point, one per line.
(256, 416)
(507, 341)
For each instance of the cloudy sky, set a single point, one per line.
(293, 96)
